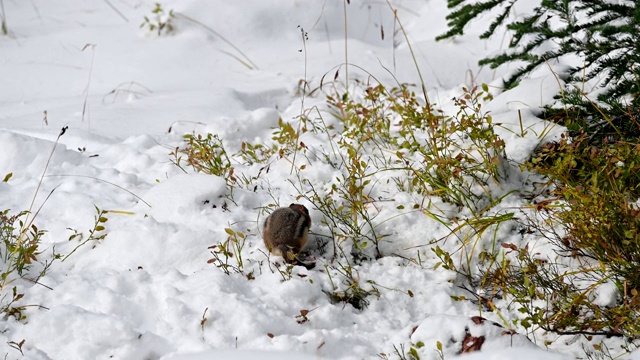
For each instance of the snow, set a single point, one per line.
(148, 290)
(606, 294)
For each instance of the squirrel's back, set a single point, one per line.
(286, 231)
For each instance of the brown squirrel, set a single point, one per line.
(286, 231)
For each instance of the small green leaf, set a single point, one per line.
(229, 231)
(7, 177)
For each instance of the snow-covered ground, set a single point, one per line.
(147, 290)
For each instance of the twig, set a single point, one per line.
(116, 10)
(86, 91)
(218, 35)
(105, 181)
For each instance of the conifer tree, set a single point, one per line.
(603, 34)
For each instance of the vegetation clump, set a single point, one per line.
(579, 195)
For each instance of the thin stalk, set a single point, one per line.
(116, 10)
(346, 45)
(29, 222)
(104, 181)
(221, 38)
(3, 19)
(86, 91)
(413, 56)
(33, 200)
(303, 94)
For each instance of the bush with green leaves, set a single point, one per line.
(19, 249)
(383, 141)
(603, 35)
(358, 143)
(227, 256)
(353, 289)
(588, 210)
(412, 353)
(594, 207)
(206, 154)
(160, 21)
(379, 142)
(457, 158)
(97, 233)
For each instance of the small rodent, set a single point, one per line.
(286, 231)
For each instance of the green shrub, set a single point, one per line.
(160, 21)
(457, 158)
(206, 154)
(599, 188)
(96, 233)
(19, 249)
(352, 290)
(384, 141)
(228, 256)
(388, 135)
(590, 213)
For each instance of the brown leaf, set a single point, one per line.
(470, 343)
(322, 80)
